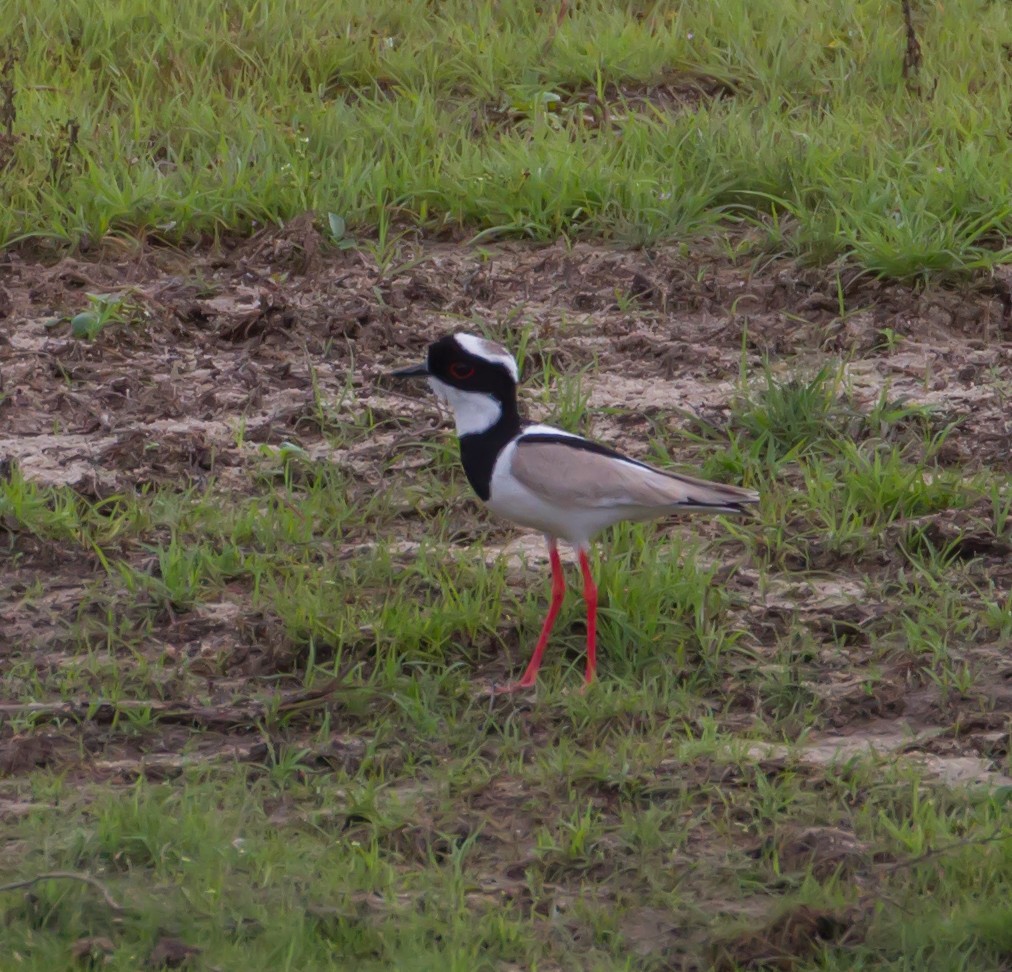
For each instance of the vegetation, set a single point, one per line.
(630, 121)
(247, 707)
(379, 810)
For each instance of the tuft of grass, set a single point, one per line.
(168, 121)
(790, 418)
(410, 822)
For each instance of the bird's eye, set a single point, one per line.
(461, 371)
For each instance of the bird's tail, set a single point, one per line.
(703, 495)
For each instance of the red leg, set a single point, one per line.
(558, 592)
(590, 596)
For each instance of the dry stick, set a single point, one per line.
(878, 876)
(231, 716)
(999, 835)
(68, 876)
(8, 108)
(554, 29)
(102, 711)
(912, 56)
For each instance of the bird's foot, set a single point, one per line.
(493, 689)
(512, 688)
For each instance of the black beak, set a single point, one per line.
(415, 371)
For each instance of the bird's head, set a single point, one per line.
(476, 377)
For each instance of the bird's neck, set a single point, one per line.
(479, 450)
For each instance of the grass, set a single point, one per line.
(410, 823)
(631, 121)
(268, 737)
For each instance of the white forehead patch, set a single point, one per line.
(489, 350)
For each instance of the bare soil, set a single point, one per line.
(222, 354)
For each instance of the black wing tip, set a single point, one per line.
(741, 507)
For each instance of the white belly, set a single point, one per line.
(510, 499)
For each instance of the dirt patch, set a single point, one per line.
(221, 360)
(797, 934)
(822, 850)
(609, 107)
(889, 741)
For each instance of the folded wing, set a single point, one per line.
(577, 472)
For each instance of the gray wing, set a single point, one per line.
(571, 475)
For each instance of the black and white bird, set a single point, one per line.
(564, 485)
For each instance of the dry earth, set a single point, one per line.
(222, 356)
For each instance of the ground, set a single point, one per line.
(252, 619)
(251, 616)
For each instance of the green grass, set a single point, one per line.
(677, 815)
(164, 120)
(409, 822)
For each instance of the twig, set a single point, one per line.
(912, 57)
(102, 711)
(554, 29)
(68, 876)
(209, 717)
(311, 698)
(998, 835)
(8, 109)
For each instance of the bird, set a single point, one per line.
(566, 486)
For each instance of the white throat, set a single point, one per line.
(472, 411)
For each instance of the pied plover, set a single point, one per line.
(568, 487)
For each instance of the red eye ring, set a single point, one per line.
(461, 371)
